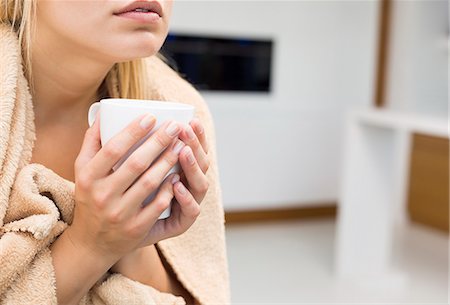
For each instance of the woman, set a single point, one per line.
(77, 52)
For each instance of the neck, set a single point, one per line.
(65, 79)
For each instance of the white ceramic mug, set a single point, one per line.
(117, 113)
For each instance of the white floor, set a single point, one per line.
(292, 263)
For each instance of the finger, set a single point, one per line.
(119, 145)
(151, 180)
(190, 209)
(197, 180)
(149, 214)
(91, 145)
(199, 130)
(184, 212)
(141, 159)
(189, 137)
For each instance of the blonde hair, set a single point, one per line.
(124, 80)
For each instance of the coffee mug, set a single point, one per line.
(117, 113)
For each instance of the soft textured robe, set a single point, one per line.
(30, 219)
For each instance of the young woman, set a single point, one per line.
(75, 53)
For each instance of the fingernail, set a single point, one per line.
(181, 188)
(190, 132)
(178, 146)
(190, 157)
(172, 129)
(147, 121)
(175, 178)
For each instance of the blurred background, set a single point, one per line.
(333, 147)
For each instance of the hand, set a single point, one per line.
(108, 217)
(142, 264)
(194, 161)
(193, 185)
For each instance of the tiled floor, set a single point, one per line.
(292, 263)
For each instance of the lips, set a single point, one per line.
(142, 7)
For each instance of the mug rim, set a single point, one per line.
(141, 102)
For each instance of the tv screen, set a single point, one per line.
(218, 63)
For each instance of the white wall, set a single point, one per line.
(418, 58)
(283, 148)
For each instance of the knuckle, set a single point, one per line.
(101, 198)
(161, 204)
(195, 145)
(113, 151)
(149, 183)
(196, 212)
(204, 186)
(136, 165)
(135, 134)
(115, 217)
(83, 184)
(160, 139)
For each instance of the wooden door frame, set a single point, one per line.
(384, 29)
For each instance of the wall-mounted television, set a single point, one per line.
(221, 63)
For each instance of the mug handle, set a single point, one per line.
(92, 113)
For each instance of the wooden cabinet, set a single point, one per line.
(428, 192)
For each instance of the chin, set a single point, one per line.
(140, 48)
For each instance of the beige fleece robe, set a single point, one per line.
(36, 205)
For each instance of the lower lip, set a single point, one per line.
(142, 17)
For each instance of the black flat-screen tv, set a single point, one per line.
(221, 63)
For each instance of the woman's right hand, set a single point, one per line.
(108, 217)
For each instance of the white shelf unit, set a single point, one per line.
(372, 199)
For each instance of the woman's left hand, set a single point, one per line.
(194, 162)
